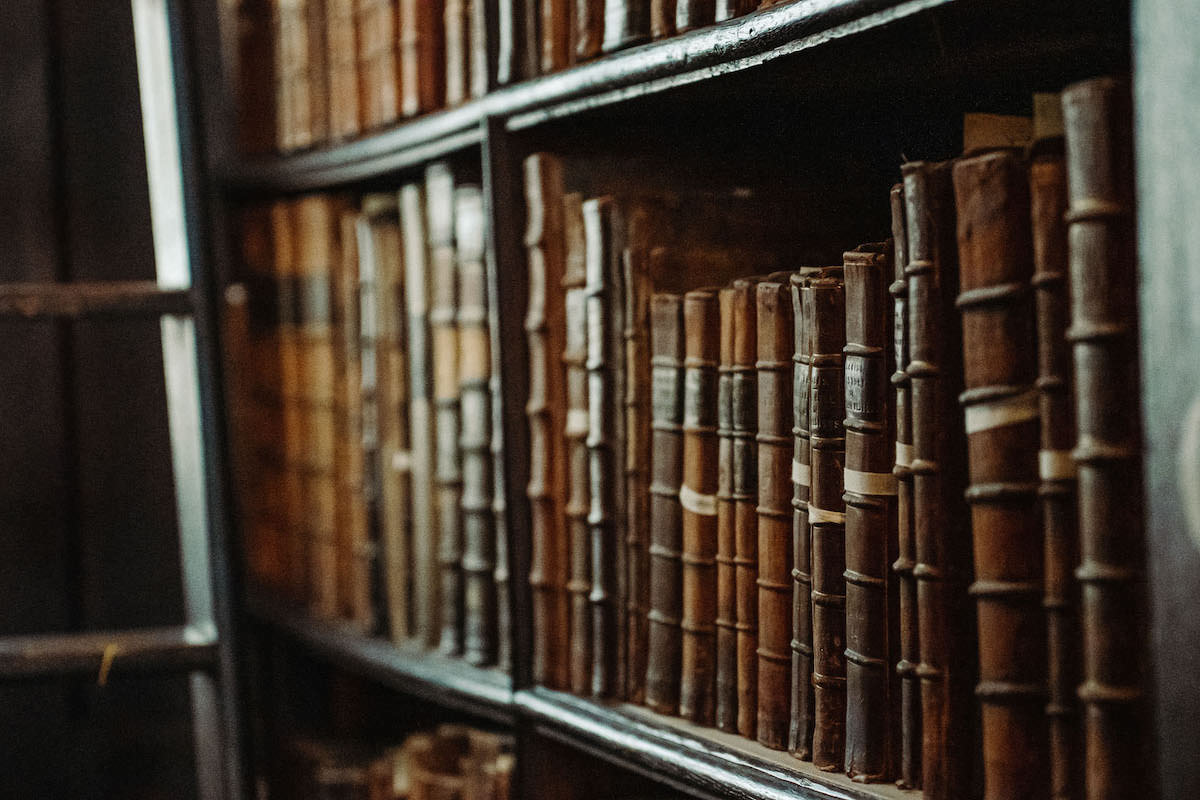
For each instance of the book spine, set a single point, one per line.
(546, 410)
(666, 523)
(662, 18)
(870, 490)
(341, 54)
(909, 730)
(744, 401)
(726, 621)
(800, 726)
(1098, 122)
(317, 70)
(439, 199)
(588, 29)
(555, 18)
(690, 14)
(475, 434)
(457, 26)
(257, 81)
(697, 498)
(422, 56)
(942, 561)
(728, 9)
(575, 431)
(774, 317)
(1048, 205)
(510, 41)
(368, 340)
(482, 74)
(637, 448)
(626, 23)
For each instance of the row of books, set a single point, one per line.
(898, 536)
(363, 413)
(451, 762)
(310, 72)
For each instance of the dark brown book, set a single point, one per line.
(575, 432)
(546, 408)
(1103, 334)
(726, 620)
(422, 56)
(666, 524)
(744, 426)
(1001, 416)
(457, 27)
(662, 18)
(555, 19)
(870, 492)
(341, 58)
(1048, 205)
(690, 14)
(774, 438)
(255, 78)
(942, 544)
(728, 9)
(475, 434)
(697, 498)
(317, 70)
(588, 29)
(907, 737)
(443, 314)
(626, 23)
(422, 439)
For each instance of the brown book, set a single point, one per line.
(379, 62)
(575, 431)
(744, 424)
(255, 78)
(546, 408)
(555, 18)
(626, 23)
(1048, 204)
(341, 58)
(1103, 334)
(588, 29)
(870, 491)
(422, 435)
(1000, 408)
(690, 14)
(443, 314)
(317, 69)
(943, 558)
(726, 621)
(422, 56)
(457, 22)
(728, 9)
(907, 736)
(662, 18)
(697, 498)
(293, 109)
(774, 438)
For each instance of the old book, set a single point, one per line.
(443, 315)
(457, 24)
(728, 9)
(942, 554)
(341, 58)
(774, 438)
(1103, 334)
(475, 436)
(662, 18)
(482, 61)
(422, 56)
(588, 29)
(726, 619)
(289, 29)
(255, 78)
(379, 61)
(744, 427)
(555, 21)
(870, 492)
(575, 431)
(317, 70)
(1056, 470)
(697, 498)
(422, 439)
(545, 322)
(511, 41)
(691, 14)
(626, 23)
(908, 733)
(1001, 415)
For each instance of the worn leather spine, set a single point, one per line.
(1001, 416)
(626, 23)
(774, 317)
(555, 18)
(546, 410)
(690, 14)
(943, 561)
(443, 313)
(1101, 237)
(457, 25)
(666, 523)
(588, 28)
(908, 733)
(256, 81)
(341, 58)
(870, 496)
(482, 76)
(662, 18)
(422, 56)
(1048, 205)
(726, 620)
(380, 64)
(317, 70)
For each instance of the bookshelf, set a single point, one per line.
(844, 81)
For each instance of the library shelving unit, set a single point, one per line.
(829, 96)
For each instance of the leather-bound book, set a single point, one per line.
(475, 434)
(422, 439)
(457, 21)
(726, 621)
(870, 491)
(626, 23)
(690, 14)
(1001, 416)
(942, 543)
(1103, 335)
(341, 57)
(422, 56)
(728, 9)
(555, 21)
(512, 41)
(774, 438)
(666, 523)
(907, 736)
(482, 76)
(256, 80)
(588, 29)
(575, 431)
(545, 322)
(697, 498)
(443, 315)
(1056, 470)
(744, 426)
(605, 470)
(662, 18)
(317, 70)
(379, 62)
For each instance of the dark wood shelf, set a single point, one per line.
(417, 672)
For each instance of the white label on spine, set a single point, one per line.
(997, 414)
(873, 483)
(903, 454)
(577, 421)
(800, 473)
(703, 504)
(821, 515)
(1055, 465)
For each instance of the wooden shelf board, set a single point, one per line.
(415, 671)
